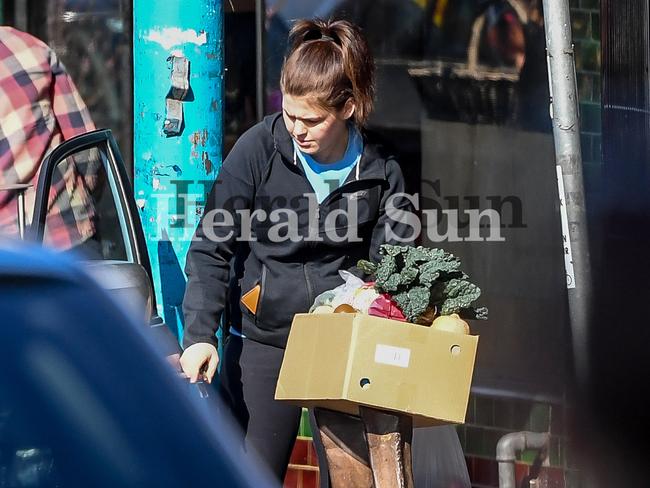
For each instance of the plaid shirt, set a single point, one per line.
(40, 108)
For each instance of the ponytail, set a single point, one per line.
(330, 61)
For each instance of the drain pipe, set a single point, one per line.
(507, 448)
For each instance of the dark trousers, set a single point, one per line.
(247, 380)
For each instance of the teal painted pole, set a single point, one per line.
(178, 101)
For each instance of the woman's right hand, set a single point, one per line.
(200, 360)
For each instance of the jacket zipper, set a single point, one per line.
(341, 189)
(262, 291)
(309, 288)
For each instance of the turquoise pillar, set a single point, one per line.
(178, 113)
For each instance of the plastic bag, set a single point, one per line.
(364, 297)
(354, 292)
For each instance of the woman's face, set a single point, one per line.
(320, 133)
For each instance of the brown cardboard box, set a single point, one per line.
(339, 361)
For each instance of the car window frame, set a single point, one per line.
(119, 183)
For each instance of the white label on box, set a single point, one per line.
(393, 356)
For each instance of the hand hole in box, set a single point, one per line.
(364, 383)
(455, 350)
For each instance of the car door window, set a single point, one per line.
(84, 211)
(83, 204)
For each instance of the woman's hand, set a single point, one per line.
(200, 360)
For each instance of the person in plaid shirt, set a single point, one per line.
(40, 108)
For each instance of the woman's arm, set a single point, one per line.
(208, 259)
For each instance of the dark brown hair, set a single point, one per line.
(331, 61)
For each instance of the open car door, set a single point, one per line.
(84, 206)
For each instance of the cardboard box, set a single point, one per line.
(339, 361)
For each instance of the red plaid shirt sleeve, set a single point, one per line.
(40, 107)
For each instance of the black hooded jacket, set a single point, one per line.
(261, 175)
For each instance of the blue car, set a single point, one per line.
(87, 397)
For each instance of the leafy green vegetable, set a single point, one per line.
(420, 278)
(367, 267)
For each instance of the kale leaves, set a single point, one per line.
(420, 279)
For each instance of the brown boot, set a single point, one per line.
(345, 448)
(389, 442)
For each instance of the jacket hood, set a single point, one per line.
(281, 137)
(372, 164)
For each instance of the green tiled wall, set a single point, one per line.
(488, 419)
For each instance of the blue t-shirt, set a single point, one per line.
(325, 178)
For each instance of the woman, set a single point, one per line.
(286, 188)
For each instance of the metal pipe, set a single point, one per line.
(508, 447)
(566, 134)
